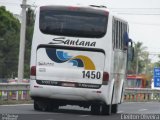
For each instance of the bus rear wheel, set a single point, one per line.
(101, 109)
(95, 109)
(45, 106)
(114, 108)
(36, 106)
(106, 109)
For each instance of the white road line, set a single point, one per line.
(142, 110)
(84, 115)
(120, 112)
(17, 105)
(50, 119)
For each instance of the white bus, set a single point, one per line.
(78, 57)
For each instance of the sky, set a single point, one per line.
(143, 16)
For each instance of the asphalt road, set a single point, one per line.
(26, 112)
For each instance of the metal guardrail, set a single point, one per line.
(141, 95)
(14, 87)
(20, 91)
(15, 91)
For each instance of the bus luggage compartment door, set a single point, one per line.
(67, 66)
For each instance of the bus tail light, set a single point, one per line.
(105, 78)
(33, 71)
(73, 8)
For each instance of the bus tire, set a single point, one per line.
(49, 107)
(95, 109)
(106, 110)
(114, 108)
(44, 107)
(36, 106)
(55, 107)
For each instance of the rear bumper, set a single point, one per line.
(68, 93)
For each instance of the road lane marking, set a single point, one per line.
(84, 115)
(120, 112)
(142, 110)
(50, 119)
(17, 105)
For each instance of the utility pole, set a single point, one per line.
(22, 42)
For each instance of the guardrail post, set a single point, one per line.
(9, 95)
(134, 97)
(22, 96)
(27, 95)
(128, 97)
(145, 97)
(149, 96)
(158, 96)
(19, 95)
(0, 95)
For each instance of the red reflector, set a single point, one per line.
(106, 13)
(33, 71)
(36, 86)
(99, 92)
(73, 8)
(105, 78)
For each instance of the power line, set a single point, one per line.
(138, 13)
(134, 8)
(144, 23)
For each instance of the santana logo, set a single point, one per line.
(62, 40)
(60, 56)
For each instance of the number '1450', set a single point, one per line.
(91, 74)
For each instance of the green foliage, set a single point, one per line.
(9, 43)
(140, 61)
(157, 64)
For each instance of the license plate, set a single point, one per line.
(68, 84)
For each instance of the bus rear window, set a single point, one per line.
(73, 23)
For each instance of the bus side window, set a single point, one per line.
(118, 29)
(114, 34)
(122, 36)
(120, 32)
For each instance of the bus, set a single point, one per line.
(78, 57)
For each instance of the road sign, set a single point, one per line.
(156, 77)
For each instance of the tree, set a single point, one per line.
(157, 64)
(140, 61)
(9, 43)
